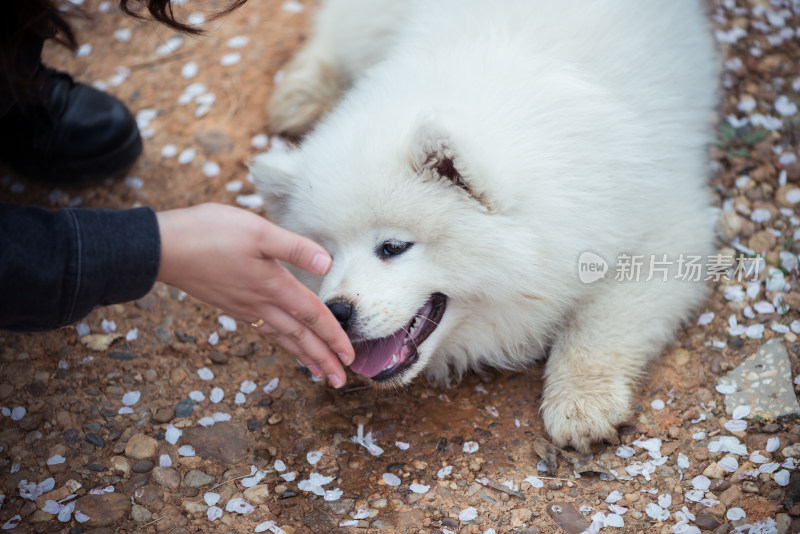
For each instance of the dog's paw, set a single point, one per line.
(308, 90)
(578, 420)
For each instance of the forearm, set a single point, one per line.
(55, 266)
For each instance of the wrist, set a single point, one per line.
(167, 228)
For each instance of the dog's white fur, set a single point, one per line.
(577, 126)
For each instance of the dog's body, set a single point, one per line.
(472, 152)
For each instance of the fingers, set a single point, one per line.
(306, 308)
(301, 340)
(296, 250)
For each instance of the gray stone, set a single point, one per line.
(141, 446)
(184, 408)
(29, 422)
(257, 494)
(72, 436)
(95, 440)
(319, 521)
(104, 510)
(122, 356)
(706, 522)
(197, 479)
(382, 524)
(764, 382)
(340, 507)
(166, 477)
(194, 507)
(164, 336)
(219, 358)
(143, 466)
(150, 496)
(163, 415)
(784, 522)
(226, 442)
(140, 514)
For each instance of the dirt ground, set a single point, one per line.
(131, 474)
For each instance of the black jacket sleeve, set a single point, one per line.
(55, 266)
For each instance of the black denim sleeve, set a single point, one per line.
(55, 266)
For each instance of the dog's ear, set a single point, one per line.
(274, 177)
(434, 156)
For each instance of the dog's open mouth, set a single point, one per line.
(383, 359)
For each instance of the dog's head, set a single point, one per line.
(408, 222)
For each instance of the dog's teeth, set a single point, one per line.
(395, 360)
(415, 328)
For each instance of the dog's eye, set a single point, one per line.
(393, 248)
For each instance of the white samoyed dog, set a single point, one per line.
(465, 158)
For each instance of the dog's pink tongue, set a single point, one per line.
(375, 355)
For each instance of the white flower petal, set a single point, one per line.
(734, 514)
(470, 447)
(51, 507)
(535, 482)
(131, 398)
(239, 506)
(773, 444)
(56, 459)
(740, 412)
(214, 513)
(206, 421)
(172, 434)
(468, 514)
(228, 323)
(205, 373)
(419, 488)
(736, 425)
(247, 387)
(391, 479)
(701, 482)
(729, 464)
(271, 386)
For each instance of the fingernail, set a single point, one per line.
(346, 358)
(314, 370)
(320, 263)
(335, 381)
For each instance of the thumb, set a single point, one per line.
(298, 251)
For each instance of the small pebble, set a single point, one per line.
(95, 440)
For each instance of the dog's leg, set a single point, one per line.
(311, 85)
(594, 365)
(348, 37)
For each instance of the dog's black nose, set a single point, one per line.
(343, 312)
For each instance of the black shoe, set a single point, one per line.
(73, 134)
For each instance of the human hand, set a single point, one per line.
(230, 258)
